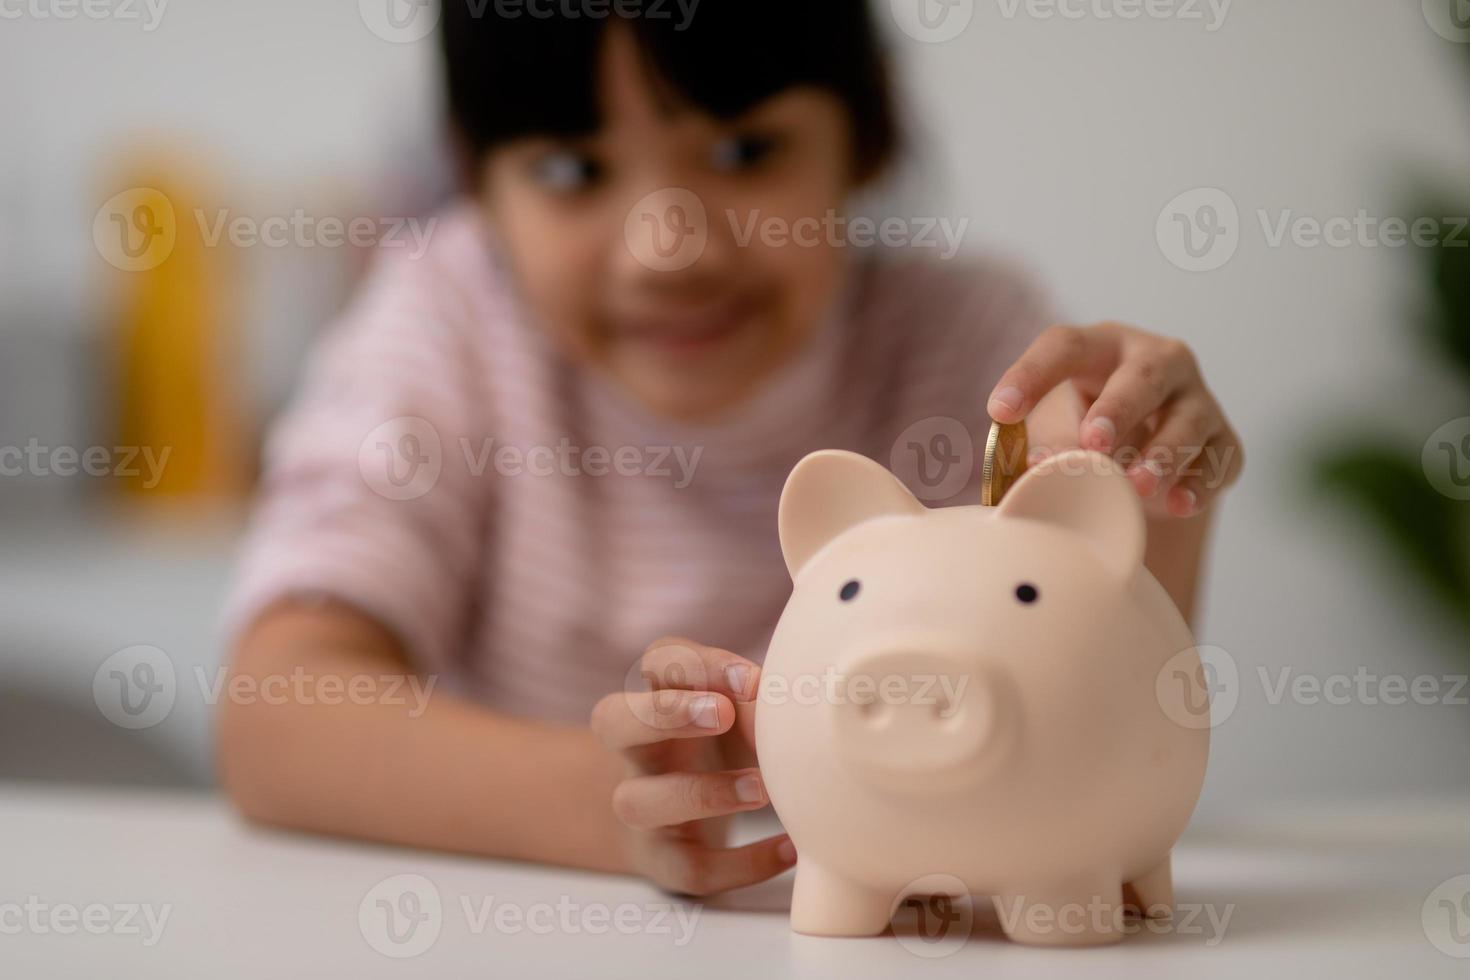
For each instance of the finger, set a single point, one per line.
(1188, 424)
(675, 662)
(625, 719)
(691, 869)
(745, 721)
(1139, 386)
(646, 802)
(1219, 465)
(1058, 354)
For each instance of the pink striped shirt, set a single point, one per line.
(526, 529)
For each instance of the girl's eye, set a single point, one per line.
(566, 171)
(742, 152)
(849, 591)
(1026, 592)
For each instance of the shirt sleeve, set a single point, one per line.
(365, 497)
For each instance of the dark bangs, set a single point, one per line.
(520, 68)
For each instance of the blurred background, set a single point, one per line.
(1165, 171)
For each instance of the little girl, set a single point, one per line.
(563, 432)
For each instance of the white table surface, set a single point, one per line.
(1336, 891)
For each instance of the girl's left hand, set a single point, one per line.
(1147, 407)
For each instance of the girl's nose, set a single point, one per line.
(675, 232)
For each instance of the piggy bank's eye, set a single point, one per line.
(1027, 593)
(850, 591)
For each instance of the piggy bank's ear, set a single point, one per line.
(1085, 492)
(829, 492)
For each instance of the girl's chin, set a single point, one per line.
(693, 379)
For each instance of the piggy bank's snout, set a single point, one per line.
(916, 721)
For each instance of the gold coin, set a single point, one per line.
(1005, 461)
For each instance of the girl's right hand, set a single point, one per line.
(679, 741)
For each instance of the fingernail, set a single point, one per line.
(737, 676)
(786, 851)
(1103, 434)
(1007, 399)
(748, 788)
(1155, 473)
(704, 712)
(1191, 502)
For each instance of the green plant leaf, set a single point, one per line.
(1423, 529)
(1449, 282)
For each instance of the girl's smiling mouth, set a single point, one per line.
(684, 329)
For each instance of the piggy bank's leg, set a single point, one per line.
(1153, 893)
(1084, 912)
(826, 904)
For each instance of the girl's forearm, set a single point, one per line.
(436, 771)
(1175, 555)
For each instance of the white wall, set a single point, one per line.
(1061, 140)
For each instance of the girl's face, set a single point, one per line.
(578, 219)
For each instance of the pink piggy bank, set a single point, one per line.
(994, 701)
